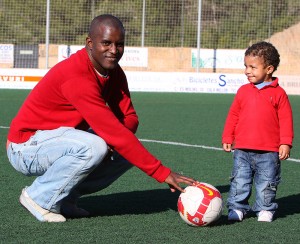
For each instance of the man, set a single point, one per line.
(75, 131)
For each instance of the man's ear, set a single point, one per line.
(89, 42)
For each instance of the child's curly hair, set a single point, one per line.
(266, 51)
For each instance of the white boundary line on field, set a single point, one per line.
(198, 146)
(4, 127)
(182, 145)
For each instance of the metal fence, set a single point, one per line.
(178, 35)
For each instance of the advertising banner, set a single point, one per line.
(157, 81)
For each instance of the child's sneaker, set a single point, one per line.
(235, 215)
(265, 216)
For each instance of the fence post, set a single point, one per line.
(198, 35)
(143, 22)
(47, 33)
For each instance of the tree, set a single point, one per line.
(173, 23)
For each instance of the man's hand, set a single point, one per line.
(174, 179)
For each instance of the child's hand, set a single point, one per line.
(227, 147)
(284, 152)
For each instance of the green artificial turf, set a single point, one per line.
(136, 208)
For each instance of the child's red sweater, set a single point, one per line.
(259, 119)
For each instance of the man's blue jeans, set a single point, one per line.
(67, 162)
(261, 167)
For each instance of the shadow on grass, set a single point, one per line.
(288, 205)
(223, 189)
(136, 202)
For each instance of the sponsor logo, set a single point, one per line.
(210, 192)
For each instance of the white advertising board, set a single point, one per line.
(65, 51)
(219, 59)
(156, 81)
(134, 57)
(20, 78)
(6, 53)
(184, 82)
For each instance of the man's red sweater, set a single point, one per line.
(259, 119)
(73, 94)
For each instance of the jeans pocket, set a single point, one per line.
(270, 192)
(20, 161)
(24, 159)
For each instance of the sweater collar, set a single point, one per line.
(100, 77)
(273, 84)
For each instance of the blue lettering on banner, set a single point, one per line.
(222, 80)
(4, 47)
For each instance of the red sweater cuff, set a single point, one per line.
(161, 174)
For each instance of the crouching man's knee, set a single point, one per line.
(98, 150)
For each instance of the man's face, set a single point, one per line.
(106, 47)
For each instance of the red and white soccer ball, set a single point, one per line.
(200, 204)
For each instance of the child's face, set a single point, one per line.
(256, 70)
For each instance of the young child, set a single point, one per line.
(260, 125)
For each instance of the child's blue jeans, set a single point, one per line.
(67, 162)
(262, 168)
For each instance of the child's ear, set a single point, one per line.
(270, 69)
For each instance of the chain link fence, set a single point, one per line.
(173, 35)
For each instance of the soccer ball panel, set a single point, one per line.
(213, 211)
(191, 198)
